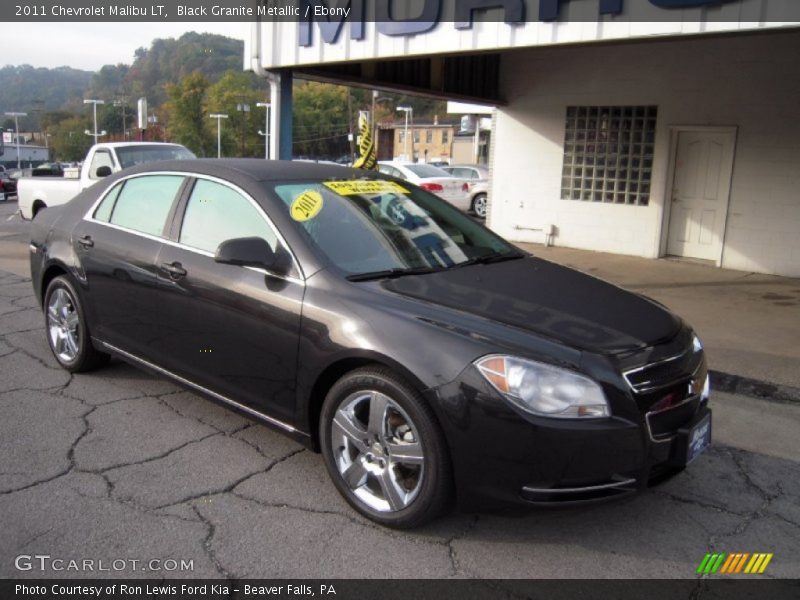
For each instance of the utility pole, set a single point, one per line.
(244, 109)
(16, 116)
(123, 104)
(94, 104)
(350, 136)
(219, 117)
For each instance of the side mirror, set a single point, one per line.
(254, 252)
(103, 171)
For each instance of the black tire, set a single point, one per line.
(434, 486)
(87, 357)
(479, 206)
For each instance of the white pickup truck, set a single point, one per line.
(36, 193)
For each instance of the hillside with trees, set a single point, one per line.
(185, 80)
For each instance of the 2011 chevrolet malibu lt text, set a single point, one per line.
(427, 359)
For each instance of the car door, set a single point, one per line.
(233, 330)
(117, 244)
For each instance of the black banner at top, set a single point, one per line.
(398, 11)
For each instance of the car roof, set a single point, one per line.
(134, 144)
(257, 169)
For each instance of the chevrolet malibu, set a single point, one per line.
(426, 358)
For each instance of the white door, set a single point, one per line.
(700, 190)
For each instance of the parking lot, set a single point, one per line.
(119, 465)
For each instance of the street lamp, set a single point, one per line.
(407, 110)
(16, 116)
(265, 133)
(94, 104)
(219, 117)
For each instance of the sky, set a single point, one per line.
(89, 46)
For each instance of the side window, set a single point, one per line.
(101, 158)
(216, 213)
(463, 173)
(103, 212)
(144, 203)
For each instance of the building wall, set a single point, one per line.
(28, 155)
(439, 148)
(748, 81)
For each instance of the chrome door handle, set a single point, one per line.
(175, 269)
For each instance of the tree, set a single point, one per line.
(187, 116)
(240, 130)
(68, 140)
(321, 122)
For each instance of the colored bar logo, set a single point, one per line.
(734, 563)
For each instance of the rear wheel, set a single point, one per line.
(480, 205)
(67, 332)
(384, 450)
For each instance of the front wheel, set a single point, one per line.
(67, 332)
(480, 205)
(384, 450)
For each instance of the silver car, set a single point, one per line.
(478, 179)
(432, 179)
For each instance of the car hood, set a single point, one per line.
(549, 300)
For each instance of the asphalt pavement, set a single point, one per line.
(119, 465)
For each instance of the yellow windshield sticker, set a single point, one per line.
(306, 206)
(365, 186)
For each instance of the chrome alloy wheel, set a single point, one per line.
(480, 205)
(63, 325)
(377, 451)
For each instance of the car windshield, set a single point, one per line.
(427, 171)
(384, 228)
(137, 155)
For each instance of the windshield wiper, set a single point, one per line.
(392, 273)
(491, 258)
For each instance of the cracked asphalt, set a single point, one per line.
(120, 465)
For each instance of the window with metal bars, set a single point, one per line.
(608, 154)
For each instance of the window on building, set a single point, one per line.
(416, 136)
(445, 136)
(401, 137)
(608, 154)
(429, 136)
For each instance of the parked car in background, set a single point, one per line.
(8, 187)
(42, 170)
(422, 354)
(432, 179)
(478, 178)
(37, 193)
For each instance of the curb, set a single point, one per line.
(754, 388)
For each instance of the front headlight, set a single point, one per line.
(543, 389)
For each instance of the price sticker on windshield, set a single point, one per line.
(306, 206)
(365, 186)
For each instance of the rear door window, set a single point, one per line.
(144, 203)
(103, 212)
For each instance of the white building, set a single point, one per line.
(644, 137)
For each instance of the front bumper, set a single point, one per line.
(504, 459)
